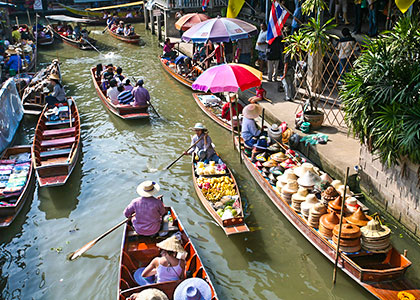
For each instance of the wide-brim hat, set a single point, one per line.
(11, 50)
(279, 157)
(148, 188)
(309, 179)
(53, 77)
(252, 111)
(374, 229)
(199, 126)
(193, 289)
(303, 168)
(171, 244)
(291, 187)
(300, 195)
(336, 183)
(287, 175)
(358, 218)
(151, 294)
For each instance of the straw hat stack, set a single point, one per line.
(315, 213)
(375, 237)
(309, 180)
(329, 194)
(327, 223)
(358, 218)
(350, 237)
(351, 204)
(303, 168)
(340, 190)
(310, 201)
(288, 190)
(282, 180)
(335, 205)
(336, 183)
(298, 198)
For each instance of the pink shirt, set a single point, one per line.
(149, 212)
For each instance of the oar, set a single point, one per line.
(150, 103)
(87, 41)
(103, 31)
(185, 151)
(337, 250)
(76, 254)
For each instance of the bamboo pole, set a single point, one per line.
(29, 18)
(17, 21)
(231, 120)
(238, 128)
(36, 40)
(337, 251)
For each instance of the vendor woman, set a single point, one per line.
(250, 132)
(58, 94)
(204, 148)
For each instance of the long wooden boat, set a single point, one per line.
(232, 225)
(72, 42)
(56, 147)
(46, 41)
(198, 97)
(138, 251)
(132, 39)
(382, 274)
(170, 67)
(124, 111)
(12, 203)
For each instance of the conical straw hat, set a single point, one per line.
(287, 175)
(303, 168)
(374, 229)
(309, 179)
(358, 218)
(171, 244)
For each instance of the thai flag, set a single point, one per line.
(278, 17)
(204, 4)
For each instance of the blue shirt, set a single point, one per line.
(249, 129)
(297, 14)
(14, 62)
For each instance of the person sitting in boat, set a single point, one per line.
(260, 95)
(127, 84)
(107, 76)
(14, 62)
(200, 54)
(120, 28)
(183, 65)
(16, 34)
(113, 92)
(24, 32)
(119, 77)
(167, 267)
(69, 30)
(105, 16)
(58, 94)
(60, 27)
(168, 49)
(141, 95)
(204, 148)
(226, 108)
(148, 209)
(76, 31)
(99, 69)
(125, 96)
(250, 132)
(84, 35)
(129, 15)
(111, 21)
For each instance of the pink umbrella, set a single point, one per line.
(189, 20)
(228, 78)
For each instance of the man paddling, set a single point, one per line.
(149, 209)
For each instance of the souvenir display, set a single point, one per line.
(335, 206)
(358, 218)
(351, 204)
(298, 198)
(336, 183)
(310, 201)
(325, 177)
(309, 180)
(269, 163)
(375, 237)
(288, 190)
(303, 168)
(282, 180)
(340, 190)
(315, 213)
(327, 223)
(278, 157)
(349, 239)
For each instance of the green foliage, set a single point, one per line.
(310, 6)
(381, 95)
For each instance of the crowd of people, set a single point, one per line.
(118, 88)
(77, 33)
(119, 27)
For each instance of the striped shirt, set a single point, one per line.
(125, 97)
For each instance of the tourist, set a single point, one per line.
(127, 30)
(167, 267)
(127, 84)
(373, 10)
(58, 94)
(99, 69)
(141, 95)
(76, 31)
(345, 48)
(244, 51)
(260, 94)
(14, 63)
(168, 49)
(118, 76)
(107, 75)
(113, 92)
(226, 108)
(287, 78)
(148, 209)
(297, 16)
(149, 294)
(129, 15)
(120, 28)
(204, 148)
(357, 29)
(274, 52)
(261, 47)
(250, 132)
(125, 96)
(15, 34)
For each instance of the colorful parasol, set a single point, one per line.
(228, 78)
(189, 20)
(219, 30)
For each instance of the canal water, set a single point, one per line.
(272, 262)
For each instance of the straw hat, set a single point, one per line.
(199, 126)
(310, 201)
(351, 204)
(252, 111)
(11, 50)
(54, 76)
(193, 289)
(287, 175)
(291, 187)
(279, 157)
(171, 244)
(329, 220)
(348, 231)
(359, 218)
(270, 163)
(318, 209)
(300, 196)
(330, 194)
(374, 229)
(340, 190)
(335, 205)
(303, 168)
(309, 179)
(150, 294)
(336, 183)
(148, 188)
(326, 177)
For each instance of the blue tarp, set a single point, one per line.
(11, 113)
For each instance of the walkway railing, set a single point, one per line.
(178, 4)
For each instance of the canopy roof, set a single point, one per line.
(116, 6)
(64, 18)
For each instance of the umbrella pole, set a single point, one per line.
(238, 129)
(231, 120)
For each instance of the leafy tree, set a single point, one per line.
(381, 95)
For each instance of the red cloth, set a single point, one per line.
(218, 54)
(260, 93)
(226, 113)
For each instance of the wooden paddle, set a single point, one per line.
(103, 31)
(185, 151)
(76, 254)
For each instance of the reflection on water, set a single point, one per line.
(273, 261)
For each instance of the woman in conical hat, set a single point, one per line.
(58, 94)
(204, 148)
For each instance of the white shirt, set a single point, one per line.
(112, 94)
(262, 38)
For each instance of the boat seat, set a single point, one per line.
(54, 153)
(58, 132)
(58, 142)
(58, 122)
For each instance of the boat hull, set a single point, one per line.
(71, 42)
(134, 40)
(176, 76)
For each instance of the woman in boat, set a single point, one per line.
(204, 148)
(250, 132)
(113, 92)
(167, 267)
(260, 95)
(168, 49)
(107, 76)
(58, 94)
(120, 28)
(226, 108)
(148, 208)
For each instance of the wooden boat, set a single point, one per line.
(124, 111)
(382, 274)
(132, 39)
(211, 113)
(232, 225)
(170, 67)
(72, 42)
(56, 147)
(138, 252)
(13, 202)
(46, 41)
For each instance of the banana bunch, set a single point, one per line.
(215, 188)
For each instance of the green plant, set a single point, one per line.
(381, 95)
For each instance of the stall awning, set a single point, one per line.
(64, 18)
(115, 6)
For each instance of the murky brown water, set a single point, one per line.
(272, 262)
